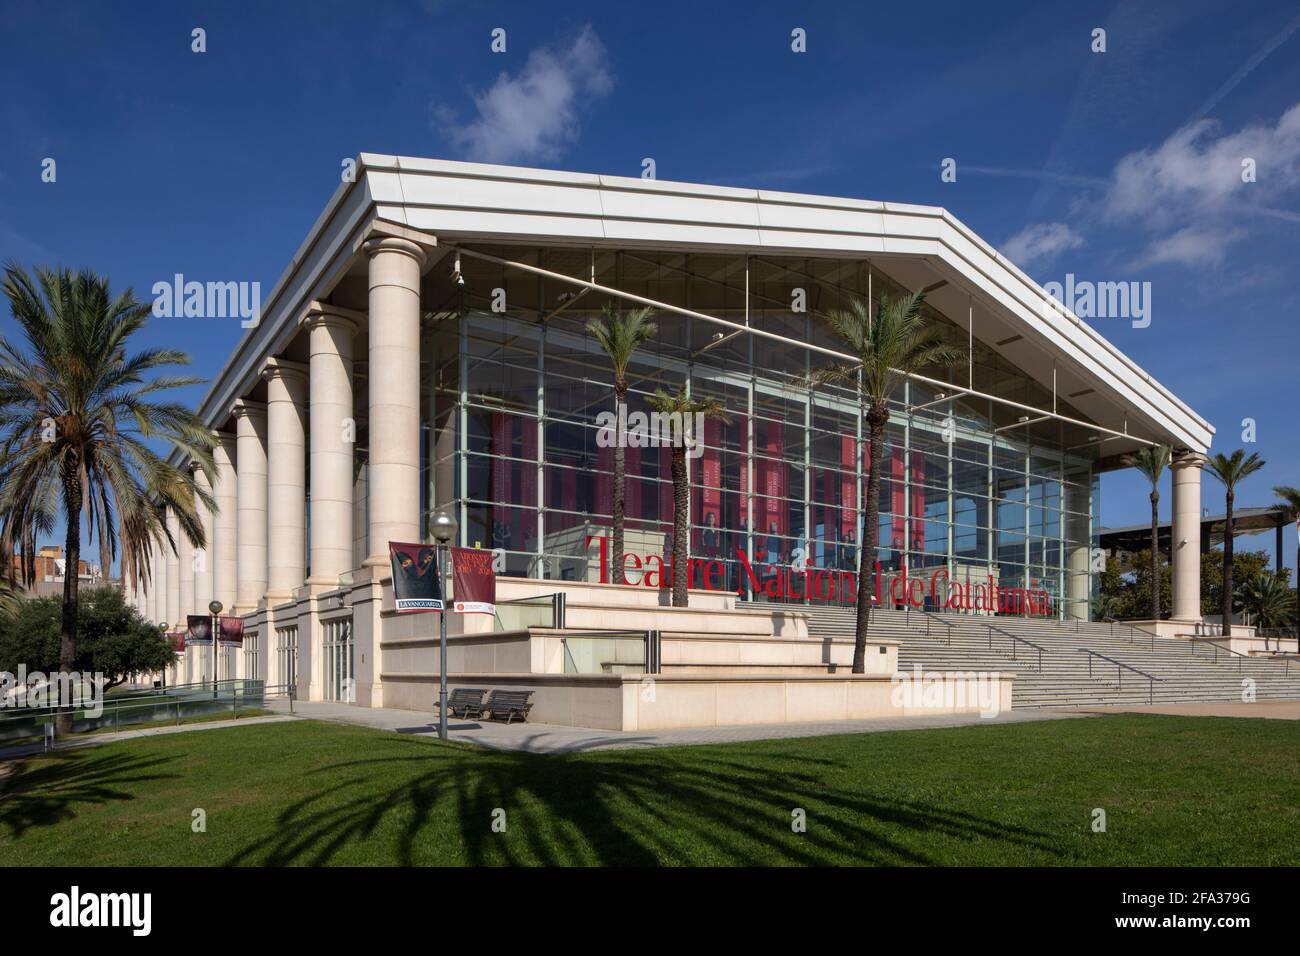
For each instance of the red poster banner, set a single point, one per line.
(473, 581)
(232, 632)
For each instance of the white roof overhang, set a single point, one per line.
(914, 244)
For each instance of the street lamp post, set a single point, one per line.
(164, 626)
(443, 528)
(214, 608)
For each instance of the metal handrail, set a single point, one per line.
(1132, 629)
(1016, 640)
(946, 623)
(1195, 639)
(1119, 673)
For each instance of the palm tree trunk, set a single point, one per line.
(1155, 555)
(72, 554)
(620, 397)
(681, 533)
(870, 533)
(1227, 568)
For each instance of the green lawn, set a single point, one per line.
(1176, 790)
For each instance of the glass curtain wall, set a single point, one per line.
(514, 384)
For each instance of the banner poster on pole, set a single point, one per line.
(415, 577)
(474, 581)
(232, 632)
(178, 642)
(198, 630)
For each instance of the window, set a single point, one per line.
(339, 648)
(286, 654)
(253, 656)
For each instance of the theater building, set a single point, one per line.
(427, 348)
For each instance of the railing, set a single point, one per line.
(125, 708)
(929, 616)
(1230, 653)
(1120, 667)
(539, 610)
(1014, 641)
(612, 651)
(1133, 630)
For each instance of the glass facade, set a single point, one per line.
(513, 385)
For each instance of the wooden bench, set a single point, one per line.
(509, 704)
(465, 702)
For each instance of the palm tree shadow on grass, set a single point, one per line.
(42, 793)
(611, 809)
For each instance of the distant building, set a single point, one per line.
(51, 567)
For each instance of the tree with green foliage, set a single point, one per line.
(112, 638)
(1151, 462)
(898, 341)
(620, 333)
(1247, 566)
(76, 413)
(682, 407)
(1269, 600)
(1231, 470)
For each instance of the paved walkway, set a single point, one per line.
(1270, 709)
(552, 739)
(90, 740)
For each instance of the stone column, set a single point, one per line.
(223, 551)
(1078, 549)
(333, 438)
(160, 587)
(250, 419)
(286, 393)
(151, 590)
(1186, 535)
(203, 557)
(185, 564)
(173, 571)
(394, 402)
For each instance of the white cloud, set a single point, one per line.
(533, 115)
(1189, 190)
(1193, 246)
(1043, 240)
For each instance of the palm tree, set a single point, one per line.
(1230, 471)
(683, 408)
(75, 412)
(1269, 600)
(898, 342)
(620, 334)
(1151, 462)
(1291, 512)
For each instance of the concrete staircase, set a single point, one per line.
(1187, 671)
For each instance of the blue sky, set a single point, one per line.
(1114, 166)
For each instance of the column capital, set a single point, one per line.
(1182, 458)
(381, 244)
(324, 315)
(284, 370)
(372, 236)
(248, 409)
